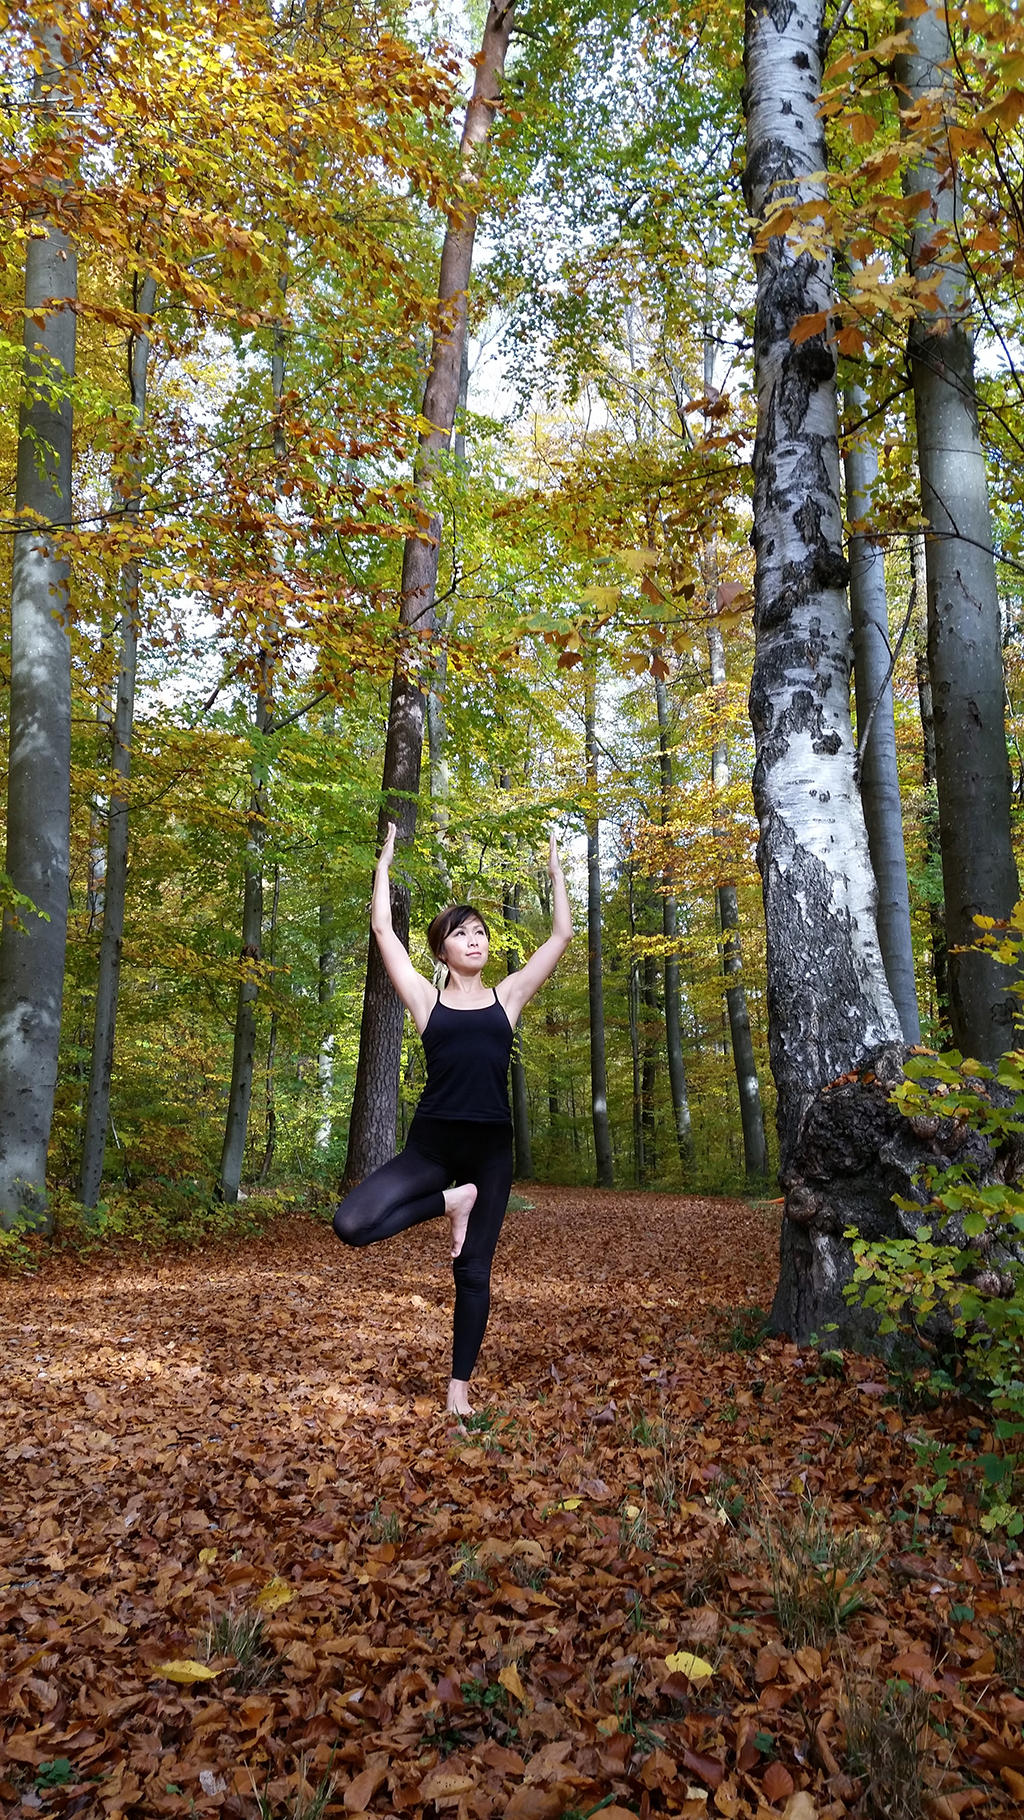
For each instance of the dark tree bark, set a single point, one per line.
(930, 817)
(32, 945)
(964, 635)
(375, 1100)
(97, 1115)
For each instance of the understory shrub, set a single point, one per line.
(955, 1289)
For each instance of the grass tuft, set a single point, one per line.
(817, 1574)
(885, 1730)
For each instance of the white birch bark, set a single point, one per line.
(32, 945)
(964, 637)
(829, 1004)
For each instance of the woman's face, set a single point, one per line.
(467, 946)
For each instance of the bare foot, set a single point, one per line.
(458, 1205)
(458, 1403)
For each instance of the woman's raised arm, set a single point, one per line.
(416, 993)
(517, 990)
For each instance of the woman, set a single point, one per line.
(458, 1155)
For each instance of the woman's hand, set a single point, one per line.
(554, 863)
(387, 852)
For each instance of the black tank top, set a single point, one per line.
(468, 1054)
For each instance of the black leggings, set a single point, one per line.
(438, 1153)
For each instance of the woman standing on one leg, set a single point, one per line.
(458, 1155)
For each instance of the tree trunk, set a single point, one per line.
(930, 816)
(375, 1101)
(236, 1125)
(97, 1113)
(38, 788)
(744, 1060)
(326, 962)
(876, 729)
(520, 1098)
(250, 963)
(269, 1082)
(830, 1010)
(598, 1070)
(649, 1072)
(669, 930)
(964, 642)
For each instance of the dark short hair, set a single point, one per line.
(447, 920)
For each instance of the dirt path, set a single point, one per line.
(476, 1622)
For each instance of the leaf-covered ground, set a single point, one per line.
(235, 1461)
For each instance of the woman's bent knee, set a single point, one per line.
(348, 1227)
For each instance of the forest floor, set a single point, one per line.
(247, 1567)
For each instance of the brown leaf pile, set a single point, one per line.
(470, 1622)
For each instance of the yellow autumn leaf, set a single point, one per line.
(693, 1667)
(185, 1672)
(569, 1504)
(206, 1555)
(509, 1679)
(276, 1593)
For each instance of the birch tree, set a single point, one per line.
(964, 636)
(32, 945)
(375, 1100)
(829, 1005)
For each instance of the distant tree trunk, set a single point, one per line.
(876, 728)
(520, 1097)
(243, 1057)
(326, 963)
(744, 1059)
(669, 930)
(243, 1053)
(270, 1085)
(830, 1010)
(97, 1113)
(32, 945)
(964, 637)
(598, 1070)
(649, 1072)
(930, 817)
(375, 1101)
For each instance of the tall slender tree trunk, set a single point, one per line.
(744, 1058)
(269, 1076)
(649, 1070)
(32, 945)
(876, 727)
(520, 1096)
(930, 817)
(375, 1101)
(326, 963)
(830, 1009)
(964, 637)
(97, 1110)
(243, 1054)
(598, 1069)
(669, 929)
